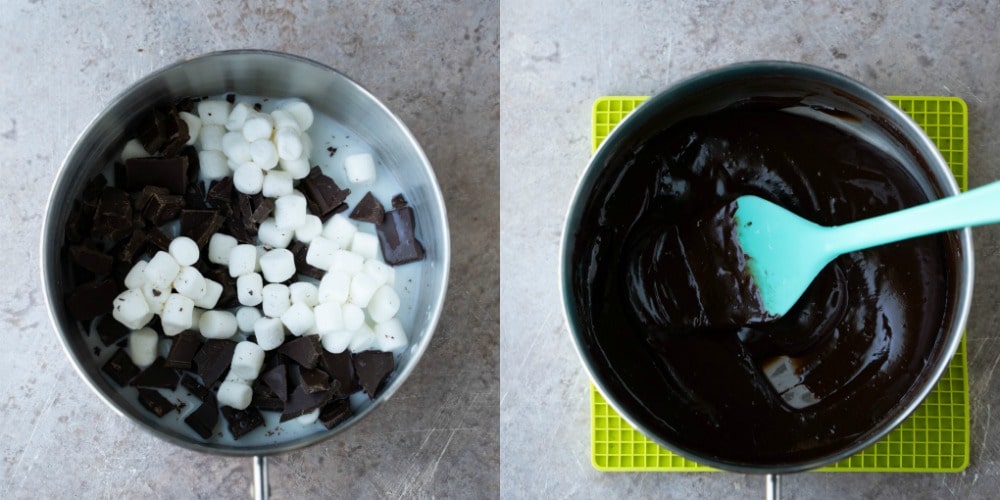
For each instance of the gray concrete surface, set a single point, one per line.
(556, 58)
(434, 63)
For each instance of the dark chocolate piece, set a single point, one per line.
(80, 221)
(200, 225)
(299, 251)
(141, 199)
(263, 211)
(398, 201)
(194, 167)
(120, 368)
(178, 134)
(113, 217)
(397, 239)
(93, 189)
(157, 375)
(340, 367)
(196, 388)
(372, 368)
(212, 360)
(335, 413)
(91, 259)
(205, 418)
(132, 248)
(91, 300)
(109, 330)
(242, 422)
(369, 210)
(155, 403)
(323, 195)
(301, 402)
(276, 379)
(264, 399)
(163, 208)
(185, 346)
(315, 380)
(304, 350)
(221, 276)
(170, 173)
(220, 193)
(153, 131)
(157, 241)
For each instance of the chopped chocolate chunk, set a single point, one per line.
(143, 197)
(205, 418)
(194, 197)
(186, 103)
(397, 239)
(341, 369)
(163, 208)
(212, 360)
(276, 379)
(132, 248)
(80, 222)
(93, 189)
(170, 173)
(315, 380)
(369, 210)
(398, 201)
(200, 225)
(91, 259)
(194, 167)
(109, 330)
(178, 134)
(113, 217)
(301, 402)
(182, 351)
(304, 350)
(153, 132)
(155, 403)
(263, 210)
(221, 276)
(157, 375)
(220, 193)
(196, 388)
(242, 422)
(120, 368)
(323, 195)
(332, 150)
(335, 413)
(264, 399)
(299, 251)
(91, 300)
(372, 368)
(156, 240)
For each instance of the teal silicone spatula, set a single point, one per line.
(785, 252)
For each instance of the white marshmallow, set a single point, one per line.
(242, 260)
(277, 265)
(382, 273)
(246, 317)
(360, 168)
(384, 303)
(214, 111)
(363, 287)
(210, 137)
(133, 149)
(288, 143)
(131, 309)
(234, 394)
(290, 211)
(363, 339)
(329, 318)
(184, 250)
(196, 317)
(213, 291)
(354, 316)
(155, 297)
(269, 332)
(308, 418)
(301, 111)
(257, 126)
(212, 165)
(307, 145)
(347, 261)
(320, 253)
(263, 154)
(365, 245)
(178, 314)
(219, 247)
(261, 250)
(237, 117)
(304, 292)
(250, 289)
(390, 336)
(236, 148)
(217, 324)
(276, 183)
(312, 228)
(335, 287)
(190, 283)
(336, 342)
(248, 178)
(298, 168)
(276, 300)
(135, 279)
(340, 230)
(248, 357)
(143, 346)
(271, 235)
(284, 119)
(298, 319)
(194, 126)
(161, 270)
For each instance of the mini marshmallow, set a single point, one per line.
(363, 339)
(263, 154)
(133, 149)
(360, 168)
(135, 279)
(298, 168)
(271, 235)
(298, 319)
(190, 283)
(248, 178)
(257, 126)
(363, 287)
(384, 303)
(320, 253)
(217, 324)
(161, 270)
(276, 300)
(334, 287)
(184, 250)
(312, 228)
(284, 119)
(250, 289)
(304, 292)
(382, 273)
(336, 342)
(210, 137)
(131, 309)
(177, 315)
(193, 125)
(236, 148)
(354, 316)
(277, 265)
(307, 145)
(143, 346)
(347, 261)
(302, 113)
(365, 245)
(288, 143)
(237, 117)
(308, 418)
(196, 317)
(219, 247)
(242, 260)
(261, 250)
(290, 211)
(213, 165)
(214, 111)
(390, 337)
(248, 357)
(340, 230)
(246, 317)
(213, 291)
(269, 332)
(276, 183)
(234, 394)
(155, 297)
(329, 318)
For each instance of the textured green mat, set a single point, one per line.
(934, 439)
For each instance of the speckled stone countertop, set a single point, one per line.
(435, 64)
(557, 58)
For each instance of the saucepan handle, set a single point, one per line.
(772, 488)
(260, 488)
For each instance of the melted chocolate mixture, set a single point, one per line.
(797, 388)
